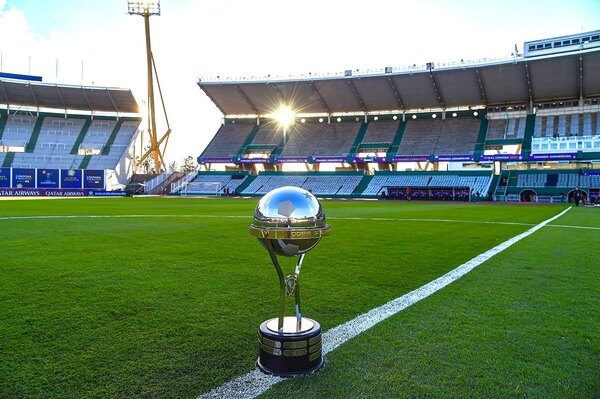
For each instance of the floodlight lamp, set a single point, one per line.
(284, 116)
(434, 116)
(376, 118)
(475, 113)
(454, 114)
(414, 116)
(339, 119)
(143, 7)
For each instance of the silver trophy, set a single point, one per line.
(289, 221)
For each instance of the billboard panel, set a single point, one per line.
(93, 179)
(4, 177)
(48, 178)
(70, 178)
(23, 178)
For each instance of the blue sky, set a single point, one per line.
(97, 42)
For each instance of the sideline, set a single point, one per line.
(255, 383)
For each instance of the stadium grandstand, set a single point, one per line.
(64, 133)
(522, 128)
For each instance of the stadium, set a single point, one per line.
(462, 261)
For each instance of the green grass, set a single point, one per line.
(156, 307)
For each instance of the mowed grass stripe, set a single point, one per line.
(525, 324)
(254, 384)
(169, 307)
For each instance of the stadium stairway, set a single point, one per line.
(246, 183)
(165, 186)
(8, 160)
(113, 136)
(494, 184)
(362, 185)
(3, 120)
(396, 143)
(529, 129)
(357, 141)
(136, 183)
(247, 142)
(35, 134)
(480, 145)
(85, 161)
(81, 136)
(276, 152)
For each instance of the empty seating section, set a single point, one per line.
(303, 140)
(97, 134)
(349, 184)
(321, 139)
(228, 140)
(475, 183)
(561, 180)
(420, 138)
(379, 182)
(57, 137)
(381, 132)
(531, 180)
(458, 136)
(567, 180)
(268, 134)
(337, 139)
(318, 184)
(265, 183)
(506, 129)
(122, 141)
(582, 124)
(447, 137)
(53, 147)
(331, 185)
(589, 181)
(17, 131)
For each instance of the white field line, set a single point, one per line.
(255, 383)
(574, 227)
(375, 219)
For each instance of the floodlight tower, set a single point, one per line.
(146, 9)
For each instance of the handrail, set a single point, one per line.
(156, 181)
(181, 183)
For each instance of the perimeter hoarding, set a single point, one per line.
(48, 178)
(23, 178)
(71, 178)
(93, 179)
(4, 177)
(64, 193)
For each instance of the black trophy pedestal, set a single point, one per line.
(295, 351)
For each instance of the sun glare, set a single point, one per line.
(284, 116)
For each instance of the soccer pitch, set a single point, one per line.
(162, 298)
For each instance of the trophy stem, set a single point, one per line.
(297, 293)
(281, 285)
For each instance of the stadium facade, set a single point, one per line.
(62, 140)
(522, 128)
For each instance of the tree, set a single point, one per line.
(189, 165)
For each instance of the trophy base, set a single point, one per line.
(294, 351)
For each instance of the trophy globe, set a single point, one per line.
(289, 221)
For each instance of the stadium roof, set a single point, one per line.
(558, 77)
(14, 93)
